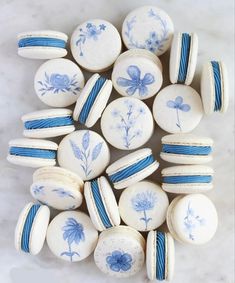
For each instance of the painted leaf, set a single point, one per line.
(76, 150)
(96, 151)
(86, 140)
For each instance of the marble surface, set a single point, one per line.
(213, 21)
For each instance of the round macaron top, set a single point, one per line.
(177, 109)
(58, 82)
(71, 236)
(96, 44)
(43, 33)
(192, 219)
(137, 73)
(143, 206)
(33, 143)
(127, 123)
(148, 27)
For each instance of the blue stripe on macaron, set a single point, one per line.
(160, 256)
(184, 57)
(218, 87)
(32, 152)
(99, 204)
(187, 179)
(27, 227)
(186, 149)
(48, 123)
(132, 169)
(91, 99)
(41, 41)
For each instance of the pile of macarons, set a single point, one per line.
(124, 233)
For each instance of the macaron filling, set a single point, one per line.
(186, 149)
(41, 41)
(32, 152)
(132, 169)
(187, 179)
(217, 84)
(27, 227)
(160, 256)
(91, 99)
(184, 57)
(48, 123)
(99, 204)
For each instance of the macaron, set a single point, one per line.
(184, 179)
(57, 187)
(95, 45)
(148, 27)
(192, 219)
(143, 206)
(127, 123)
(132, 168)
(48, 123)
(32, 152)
(186, 149)
(214, 87)
(101, 204)
(137, 73)
(92, 100)
(183, 57)
(120, 252)
(177, 109)
(58, 82)
(43, 44)
(30, 231)
(160, 256)
(71, 236)
(84, 152)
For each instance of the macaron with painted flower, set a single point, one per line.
(120, 252)
(43, 44)
(192, 219)
(214, 87)
(137, 73)
(95, 45)
(92, 100)
(58, 82)
(32, 152)
(31, 228)
(57, 187)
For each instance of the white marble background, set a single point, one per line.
(213, 21)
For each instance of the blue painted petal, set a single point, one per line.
(179, 100)
(96, 151)
(148, 79)
(133, 72)
(185, 107)
(124, 82)
(116, 267)
(171, 104)
(86, 140)
(143, 90)
(131, 90)
(126, 258)
(126, 266)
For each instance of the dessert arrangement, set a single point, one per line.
(122, 233)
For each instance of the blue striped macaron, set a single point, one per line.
(48, 123)
(101, 204)
(160, 256)
(44, 44)
(30, 231)
(32, 152)
(132, 168)
(186, 149)
(187, 179)
(92, 100)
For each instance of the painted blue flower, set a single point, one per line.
(59, 81)
(136, 83)
(63, 193)
(119, 261)
(38, 190)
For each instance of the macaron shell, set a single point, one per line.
(185, 159)
(30, 161)
(151, 255)
(170, 257)
(207, 88)
(49, 132)
(225, 87)
(175, 54)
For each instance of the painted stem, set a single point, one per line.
(145, 220)
(178, 120)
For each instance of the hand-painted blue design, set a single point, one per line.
(136, 83)
(73, 232)
(33, 152)
(128, 122)
(184, 57)
(59, 83)
(192, 221)
(61, 192)
(142, 202)
(218, 86)
(178, 105)
(91, 32)
(160, 256)
(42, 41)
(85, 154)
(119, 261)
(38, 190)
(186, 149)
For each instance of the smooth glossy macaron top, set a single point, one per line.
(58, 82)
(192, 219)
(148, 27)
(137, 73)
(95, 45)
(92, 100)
(120, 252)
(57, 187)
(44, 44)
